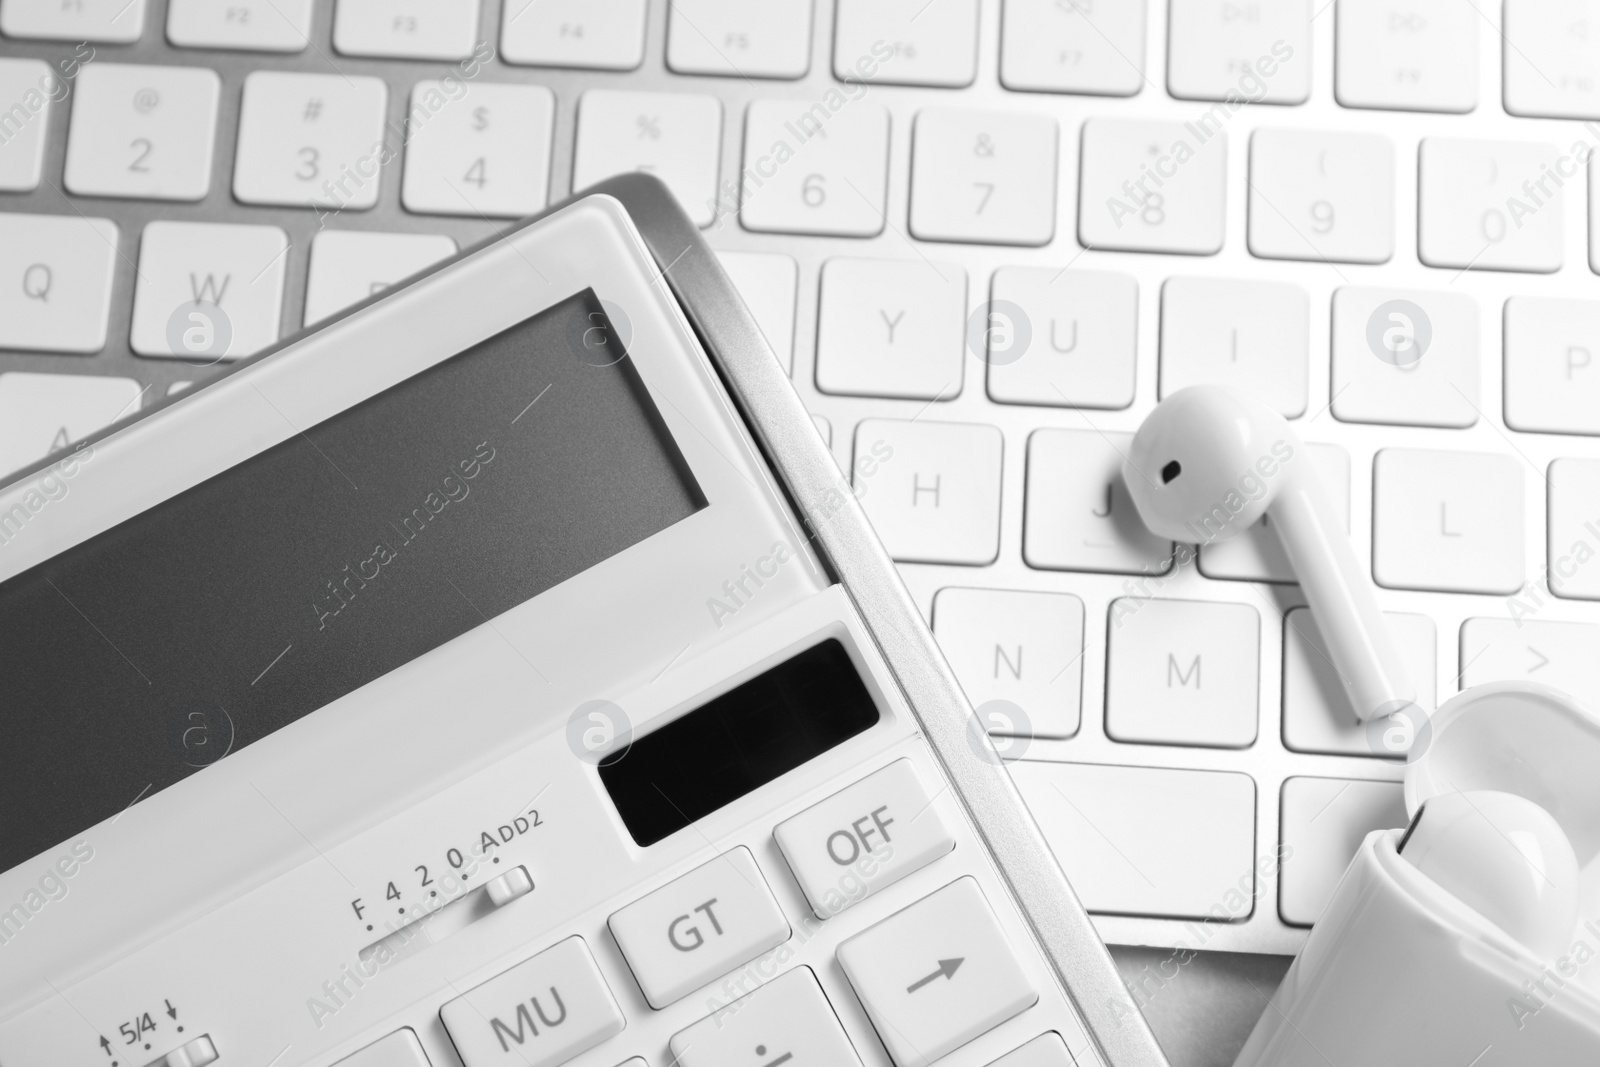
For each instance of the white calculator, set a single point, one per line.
(504, 675)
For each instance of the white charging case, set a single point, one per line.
(1399, 972)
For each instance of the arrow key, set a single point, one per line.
(937, 974)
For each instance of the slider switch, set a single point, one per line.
(196, 1053)
(509, 886)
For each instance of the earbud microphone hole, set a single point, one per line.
(1170, 471)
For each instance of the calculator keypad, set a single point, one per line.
(932, 976)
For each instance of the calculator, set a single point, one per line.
(503, 674)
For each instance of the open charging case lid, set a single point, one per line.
(1515, 737)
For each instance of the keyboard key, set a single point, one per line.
(1574, 534)
(789, 1020)
(399, 1049)
(1046, 1050)
(1076, 47)
(1405, 357)
(143, 131)
(247, 25)
(937, 974)
(542, 1012)
(1407, 55)
(675, 136)
(1183, 672)
(235, 268)
(1250, 335)
(347, 266)
(1257, 554)
(31, 88)
(488, 154)
(836, 847)
(914, 42)
(1489, 205)
(768, 281)
(824, 428)
(111, 21)
(699, 926)
(1321, 196)
(825, 183)
(931, 489)
(44, 413)
(1258, 51)
(1560, 654)
(1448, 521)
(740, 38)
(1318, 716)
(310, 140)
(1552, 364)
(1552, 53)
(1324, 821)
(1594, 215)
(892, 328)
(55, 282)
(406, 29)
(1021, 647)
(1079, 516)
(1135, 195)
(1140, 841)
(590, 34)
(1080, 329)
(985, 176)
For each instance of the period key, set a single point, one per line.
(864, 838)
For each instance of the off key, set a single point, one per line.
(864, 838)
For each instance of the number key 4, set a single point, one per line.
(485, 150)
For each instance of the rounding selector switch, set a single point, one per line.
(509, 886)
(194, 1053)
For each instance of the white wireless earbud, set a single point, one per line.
(1506, 858)
(1207, 463)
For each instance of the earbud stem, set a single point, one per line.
(1341, 599)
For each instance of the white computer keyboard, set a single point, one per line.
(874, 172)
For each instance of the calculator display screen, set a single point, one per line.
(738, 742)
(229, 611)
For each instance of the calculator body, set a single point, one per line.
(649, 759)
